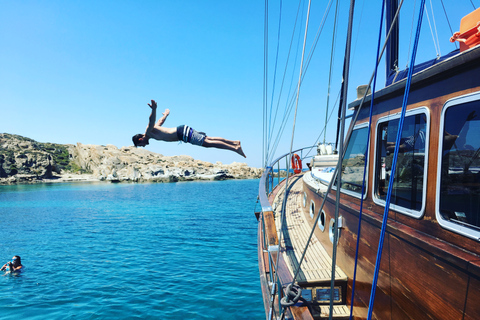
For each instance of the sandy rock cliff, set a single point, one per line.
(23, 160)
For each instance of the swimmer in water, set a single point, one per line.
(13, 266)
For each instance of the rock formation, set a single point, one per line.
(23, 160)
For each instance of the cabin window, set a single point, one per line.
(408, 192)
(458, 198)
(354, 162)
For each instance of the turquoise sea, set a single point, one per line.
(131, 251)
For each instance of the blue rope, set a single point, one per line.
(366, 159)
(394, 164)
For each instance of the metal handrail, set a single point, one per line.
(263, 193)
(264, 187)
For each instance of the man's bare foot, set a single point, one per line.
(239, 150)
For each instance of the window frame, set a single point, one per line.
(452, 226)
(348, 192)
(408, 212)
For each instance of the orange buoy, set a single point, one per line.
(296, 163)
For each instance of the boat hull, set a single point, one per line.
(428, 269)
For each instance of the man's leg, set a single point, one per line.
(221, 143)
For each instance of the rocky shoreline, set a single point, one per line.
(24, 160)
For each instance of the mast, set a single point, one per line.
(392, 44)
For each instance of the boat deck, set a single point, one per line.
(317, 265)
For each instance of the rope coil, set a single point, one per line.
(292, 295)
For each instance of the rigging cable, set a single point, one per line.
(359, 23)
(448, 21)
(323, 130)
(284, 75)
(265, 82)
(292, 81)
(394, 163)
(317, 36)
(343, 108)
(293, 135)
(411, 29)
(367, 154)
(275, 68)
(291, 148)
(348, 135)
(290, 104)
(435, 44)
(337, 168)
(335, 21)
(473, 5)
(435, 27)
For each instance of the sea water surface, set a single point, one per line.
(130, 251)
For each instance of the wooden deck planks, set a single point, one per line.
(317, 265)
(338, 311)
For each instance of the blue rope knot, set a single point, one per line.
(292, 295)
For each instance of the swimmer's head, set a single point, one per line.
(16, 260)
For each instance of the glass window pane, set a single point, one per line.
(460, 175)
(354, 161)
(408, 183)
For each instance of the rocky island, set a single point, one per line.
(24, 160)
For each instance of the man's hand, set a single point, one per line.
(166, 113)
(153, 105)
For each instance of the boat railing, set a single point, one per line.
(276, 171)
(269, 237)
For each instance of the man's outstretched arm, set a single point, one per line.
(162, 119)
(153, 116)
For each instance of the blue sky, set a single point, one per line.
(84, 71)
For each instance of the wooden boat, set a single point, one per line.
(430, 259)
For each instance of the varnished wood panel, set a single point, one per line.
(424, 286)
(270, 231)
(262, 269)
(472, 309)
(284, 273)
(367, 256)
(301, 313)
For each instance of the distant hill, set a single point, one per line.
(24, 160)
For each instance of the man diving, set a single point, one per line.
(181, 133)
